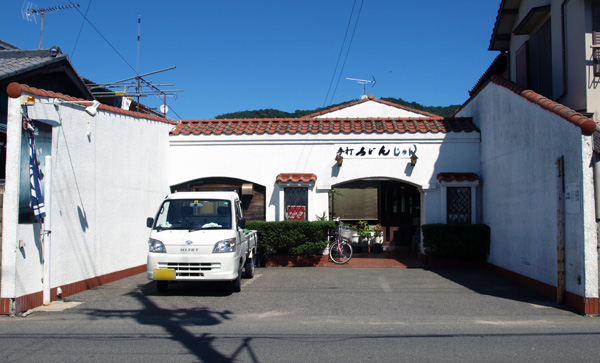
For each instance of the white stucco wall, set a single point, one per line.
(103, 188)
(260, 158)
(371, 109)
(519, 147)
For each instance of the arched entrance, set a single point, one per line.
(393, 204)
(251, 194)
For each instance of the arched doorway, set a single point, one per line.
(251, 194)
(393, 204)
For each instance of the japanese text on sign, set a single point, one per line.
(296, 212)
(368, 151)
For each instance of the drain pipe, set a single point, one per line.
(563, 30)
(596, 169)
(47, 229)
(560, 235)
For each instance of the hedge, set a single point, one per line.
(291, 237)
(468, 241)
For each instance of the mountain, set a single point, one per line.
(272, 113)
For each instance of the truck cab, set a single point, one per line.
(200, 236)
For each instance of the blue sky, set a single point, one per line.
(236, 55)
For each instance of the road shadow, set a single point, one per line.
(176, 322)
(485, 281)
(189, 288)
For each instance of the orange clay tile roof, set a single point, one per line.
(587, 125)
(448, 177)
(324, 126)
(15, 89)
(369, 98)
(296, 177)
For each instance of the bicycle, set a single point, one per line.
(340, 251)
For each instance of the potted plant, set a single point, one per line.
(355, 235)
(364, 231)
(378, 234)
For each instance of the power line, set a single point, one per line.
(339, 55)
(85, 19)
(348, 50)
(80, 28)
(106, 40)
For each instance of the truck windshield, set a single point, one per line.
(194, 214)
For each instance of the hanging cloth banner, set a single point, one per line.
(37, 199)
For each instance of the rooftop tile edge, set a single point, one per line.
(15, 90)
(587, 125)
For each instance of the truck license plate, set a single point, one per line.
(164, 274)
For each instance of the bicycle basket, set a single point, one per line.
(346, 232)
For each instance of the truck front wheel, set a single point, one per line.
(236, 285)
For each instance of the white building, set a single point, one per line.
(519, 156)
(107, 176)
(287, 168)
(544, 227)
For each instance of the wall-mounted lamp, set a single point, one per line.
(93, 109)
(28, 101)
(413, 159)
(339, 159)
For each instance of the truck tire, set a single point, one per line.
(162, 286)
(236, 285)
(249, 268)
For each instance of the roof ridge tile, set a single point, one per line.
(14, 90)
(587, 125)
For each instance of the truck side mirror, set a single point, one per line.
(149, 222)
(242, 223)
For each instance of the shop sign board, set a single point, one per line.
(296, 213)
(376, 151)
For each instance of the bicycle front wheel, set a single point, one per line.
(340, 253)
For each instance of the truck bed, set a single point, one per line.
(251, 238)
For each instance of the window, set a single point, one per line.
(194, 214)
(355, 201)
(459, 198)
(296, 203)
(458, 206)
(533, 61)
(596, 37)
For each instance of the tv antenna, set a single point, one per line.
(364, 82)
(29, 11)
(143, 88)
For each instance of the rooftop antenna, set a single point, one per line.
(30, 10)
(364, 82)
(139, 82)
(137, 65)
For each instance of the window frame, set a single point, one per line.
(460, 184)
(309, 186)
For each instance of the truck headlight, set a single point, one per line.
(156, 246)
(226, 245)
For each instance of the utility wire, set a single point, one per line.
(339, 55)
(106, 40)
(85, 19)
(348, 50)
(80, 28)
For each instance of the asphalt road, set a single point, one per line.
(305, 315)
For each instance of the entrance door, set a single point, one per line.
(400, 214)
(393, 204)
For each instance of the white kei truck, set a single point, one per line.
(200, 236)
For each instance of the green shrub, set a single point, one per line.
(309, 248)
(281, 238)
(467, 241)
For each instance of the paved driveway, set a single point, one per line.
(309, 314)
